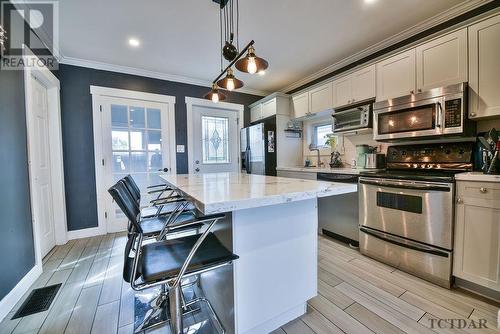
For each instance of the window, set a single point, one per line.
(215, 139)
(321, 132)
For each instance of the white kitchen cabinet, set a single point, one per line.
(484, 68)
(477, 234)
(355, 87)
(442, 61)
(321, 98)
(396, 76)
(256, 113)
(300, 105)
(342, 91)
(363, 84)
(269, 108)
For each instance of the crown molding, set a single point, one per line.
(148, 74)
(447, 15)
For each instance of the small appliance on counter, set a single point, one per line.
(487, 157)
(375, 160)
(361, 151)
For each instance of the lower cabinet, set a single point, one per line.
(297, 175)
(477, 234)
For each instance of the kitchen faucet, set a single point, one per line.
(315, 148)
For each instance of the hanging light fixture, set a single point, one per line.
(215, 95)
(251, 63)
(230, 82)
(230, 51)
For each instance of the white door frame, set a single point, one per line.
(193, 101)
(98, 92)
(49, 80)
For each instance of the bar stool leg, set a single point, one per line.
(175, 300)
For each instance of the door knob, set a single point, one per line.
(197, 170)
(197, 162)
(163, 170)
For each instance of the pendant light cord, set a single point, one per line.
(221, 42)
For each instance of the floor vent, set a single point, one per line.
(39, 300)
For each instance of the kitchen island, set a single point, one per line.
(272, 224)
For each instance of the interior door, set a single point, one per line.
(40, 166)
(215, 140)
(136, 142)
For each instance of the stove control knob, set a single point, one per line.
(415, 166)
(423, 166)
(430, 166)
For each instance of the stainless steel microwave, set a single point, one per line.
(437, 112)
(352, 118)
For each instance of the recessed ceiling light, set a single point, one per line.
(370, 1)
(134, 42)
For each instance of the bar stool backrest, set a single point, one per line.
(126, 203)
(132, 187)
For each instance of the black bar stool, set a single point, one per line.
(167, 263)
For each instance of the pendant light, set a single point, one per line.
(251, 63)
(230, 82)
(215, 95)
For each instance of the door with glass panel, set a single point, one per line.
(215, 140)
(136, 142)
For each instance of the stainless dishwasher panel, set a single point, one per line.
(420, 211)
(427, 262)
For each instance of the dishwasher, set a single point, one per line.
(338, 215)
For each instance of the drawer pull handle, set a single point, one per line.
(483, 190)
(459, 200)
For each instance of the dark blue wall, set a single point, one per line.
(78, 143)
(16, 245)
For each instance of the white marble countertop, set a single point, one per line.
(477, 176)
(225, 192)
(353, 171)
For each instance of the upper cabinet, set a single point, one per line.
(363, 84)
(355, 87)
(272, 105)
(396, 76)
(300, 105)
(484, 68)
(255, 112)
(320, 98)
(442, 61)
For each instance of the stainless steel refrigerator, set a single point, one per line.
(258, 148)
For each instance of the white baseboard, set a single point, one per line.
(11, 299)
(85, 233)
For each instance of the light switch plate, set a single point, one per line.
(180, 149)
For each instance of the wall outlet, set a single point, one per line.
(181, 149)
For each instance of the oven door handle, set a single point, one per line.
(404, 243)
(401, 185)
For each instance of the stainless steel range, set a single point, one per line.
(406, 212)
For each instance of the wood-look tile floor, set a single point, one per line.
(356, 295)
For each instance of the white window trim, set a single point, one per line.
(98, 92)
(192, 101)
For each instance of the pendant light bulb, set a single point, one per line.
(215, 98)
(252, 66)
(230, 84)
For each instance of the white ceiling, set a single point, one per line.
(181, 37)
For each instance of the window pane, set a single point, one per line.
(154, 140)
(155, 161)
(215, 145)
(137, 117)
(120, 162)
(321, 134)
(119, 116)
(119, 139)
(138, 162)
(154, 119)
(138, 139)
